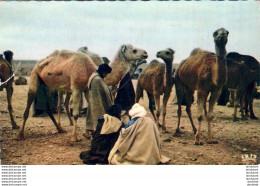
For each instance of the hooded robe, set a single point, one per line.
(100, 99)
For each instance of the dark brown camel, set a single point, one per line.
(240, 76)
(5, 74)
(205, 72)
(253, 64)
(156, 79)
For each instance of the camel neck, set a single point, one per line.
(119, 69)
(221, 54)
(168, 73)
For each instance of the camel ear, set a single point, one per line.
(215, 33)
(171, 50)
(123, 49)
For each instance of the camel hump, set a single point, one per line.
(196, 51)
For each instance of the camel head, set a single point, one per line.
(166, 55)
(8, 56)
(221, 37)
(83, 49)
(131, 53)
(106, 60)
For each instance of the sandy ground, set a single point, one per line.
(44, 146)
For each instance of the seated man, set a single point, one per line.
(104, 137)
(139, 141)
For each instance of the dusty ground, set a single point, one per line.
(44, 146)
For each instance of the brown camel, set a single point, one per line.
(205, 72)
(70, 72)
(7, 83)
(156, 79)
(97, 61)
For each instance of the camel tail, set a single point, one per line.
(139, 92)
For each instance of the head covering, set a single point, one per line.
(115, 110)
(104, 68)
(137, 111)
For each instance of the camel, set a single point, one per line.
(205, 72)
(97, 61)
(240, 76)
(157, 79)
(5, 73)
(20, 81)
(253, 64)
(70, 71)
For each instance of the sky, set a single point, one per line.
(33, 30)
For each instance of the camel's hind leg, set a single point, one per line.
(60, 96)
(213, 98)
(33, 87)
(9, 93)
(151, 103)
(49, 111)
(66, 104)
(138, 92)
(189, 96)
(179, 89)
(76, 101)
(158, 111)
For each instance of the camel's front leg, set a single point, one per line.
(201, 101)
(165, 100)
(213, 98)
(76, 101)
(9, 93)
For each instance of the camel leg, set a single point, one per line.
(179, 89)
(246, 103)
(250, 99)
(49, 111)
(33, 87)
(76, 101)
(202, 98)
(232, 98)
(66, 104)
(242, 99)
(189, 95)
(60, 95)
(31, 97)
(139, 92)
(213, 98)
(165, 100)
(157, 103)
(9, 93)
(151, 103)
(251, 110)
